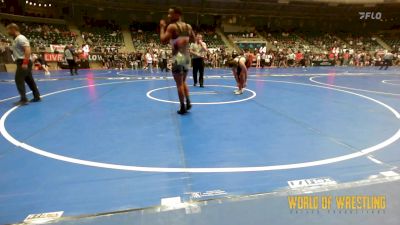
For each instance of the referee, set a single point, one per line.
(387, 60)
(22, 56)
(198, 51)
(69, 54)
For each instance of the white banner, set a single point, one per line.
(59, 48)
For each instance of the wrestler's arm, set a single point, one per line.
(192, 35)
(166, 32)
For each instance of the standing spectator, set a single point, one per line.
(300, 59)
(86, 50)
(263, 58)
(155, 60)
(290, 58)
(258, 60)
(281, 60)
(164, 61)
(149, 61)
(346, 58)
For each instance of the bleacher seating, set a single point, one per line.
(101, 33)
(393, 41)
(360, 42)
(213, 40)
(234, 36)
(42, 34)
(285, 40)
(321, 41)
(145, 36)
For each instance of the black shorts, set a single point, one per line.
(238, 70)
(178, 69)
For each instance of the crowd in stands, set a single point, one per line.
(5, 51)
(101, 34)
(210, 36)
(319, 42)
(148, 48)
(262, 58)
(285, 40)
(43, 35)
(145, 35)
(141, 59)
(393, 41)
(241, 35)
(282, 49)
(335, 57)
(360, 42)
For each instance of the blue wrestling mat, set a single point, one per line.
(107, 141)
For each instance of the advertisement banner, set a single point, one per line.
(57, 48)
(325, 62)
(53, 57)
(95, 57)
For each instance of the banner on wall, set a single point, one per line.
(53, 57)
(324, 62)
(57, 57)
(57, 48)
(95, 58)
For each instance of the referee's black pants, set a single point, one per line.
(164, 65)
(23, 76)
(198, 66)
(73, 66)
(386, 63)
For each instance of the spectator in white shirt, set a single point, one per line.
(149, 61)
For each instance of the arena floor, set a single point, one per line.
(107, 141)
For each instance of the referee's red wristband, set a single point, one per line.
(25, 62)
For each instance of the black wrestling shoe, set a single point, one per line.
(188, 106)
(194, 85)
(181, 112)
(21, 103)
(36, 100)
(202, 85)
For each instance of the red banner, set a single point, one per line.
(52, 57)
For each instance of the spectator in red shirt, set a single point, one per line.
(300, 59)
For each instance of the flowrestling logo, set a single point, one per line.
(370, 15)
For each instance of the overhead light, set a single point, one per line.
(27, 2)
(49, 5)
(30, 3)
(40, 5)
(45, 5)
(34, 4)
